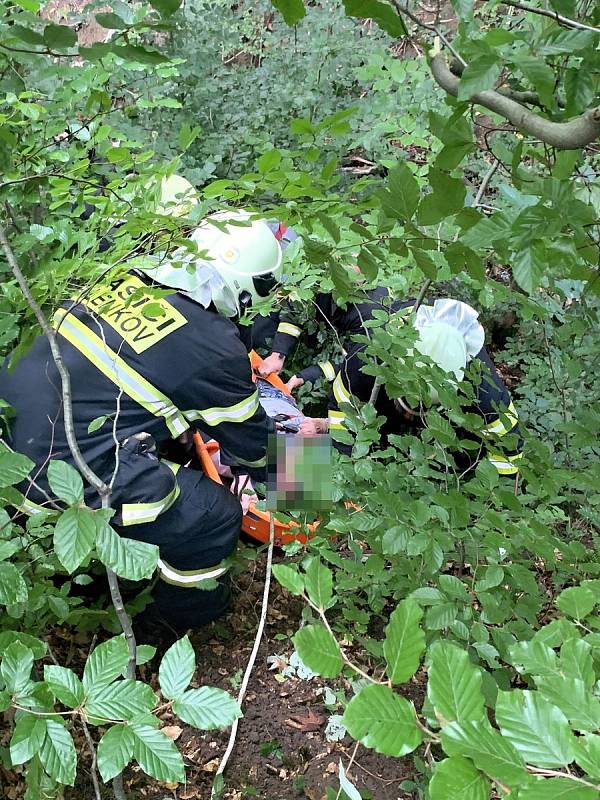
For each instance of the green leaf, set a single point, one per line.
(177, 669)
(128, 558)
(13, 467)
(319, 583)
(580, 707)
(368, 263)
(541, 76)
(59, 37)
(166, 7)
(115, 751)
(16, 667)
(425, 263)
(453, 587)
(454, 687)
(111, 21)
(133, 52)
(27, 738)
(207, 708)
(74, 536)
(383, 721)
(557, 789)
(319, 650)
(576, 602)
(382, 13)
(538, 730)
(404, 191)
(29, 5)
(580, 87)
(58, 754)
(27, 35)
(457, 779)
(404, 641)
(64, 685)
(156, 754)
(289, 577)
(291, 10)
(106, 663)
(144, 653)
(481, 74)
(576, 661)
(13, 588)
(587, 754)
(97, 423)
(487, 748)
(565, 42)
(65, 482)
(464, 9)
(534, 658)
(37, 646)
(124, 699)
(528, 267)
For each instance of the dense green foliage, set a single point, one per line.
(494, 591)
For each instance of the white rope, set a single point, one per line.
(253, 655)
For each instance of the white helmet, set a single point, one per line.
(450, 334)
(239, 262)
(176, 196)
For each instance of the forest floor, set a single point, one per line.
(282, 750)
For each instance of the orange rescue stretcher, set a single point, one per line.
(256, 523)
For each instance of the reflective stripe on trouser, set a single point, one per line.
(336, 420)
(498, 427)
(291, 330)
(239, 412)
(327, 369)
(119, 372)
(188, 579)
(506, 465)
(139, 513)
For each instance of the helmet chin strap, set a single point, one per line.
(245, 302)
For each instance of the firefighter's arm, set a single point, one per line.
(340, 397)
(234, 418)
(287, 334)
(500, 420)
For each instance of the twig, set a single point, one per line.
(325, 621)
(350, 763)
(118, 788)
(253, 654)
(544, 12)
(551, 773)
(485, 183)
(94, 480)
(94, 772)
(421, 296)
(65, 378)
(400, 9)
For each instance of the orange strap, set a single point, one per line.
(273, 379)
(203, 452)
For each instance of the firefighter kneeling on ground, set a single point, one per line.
(154, 376)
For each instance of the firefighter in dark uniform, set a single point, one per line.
(449, 334)
(155, 369)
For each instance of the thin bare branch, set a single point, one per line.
(545, 12)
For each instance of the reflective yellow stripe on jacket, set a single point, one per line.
(327, 369)
(239, 412)
(291, 330)
(341, 394)
(119, 372)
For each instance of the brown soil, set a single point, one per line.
(281, 751)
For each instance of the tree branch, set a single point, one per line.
(94, 480)
(93, 770)
(572, 135)
(400, 10)
(544, 12)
